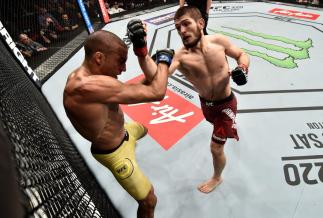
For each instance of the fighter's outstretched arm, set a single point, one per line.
(137, 33)
(148, 66)
(233, 51)
(240, 73)
(104, 89)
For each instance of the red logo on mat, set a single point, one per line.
(297, 14)
(168, 120)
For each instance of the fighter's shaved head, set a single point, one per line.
(103, 41)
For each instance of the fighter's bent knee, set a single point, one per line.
(150, 200)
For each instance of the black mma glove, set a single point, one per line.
(137, 35)
(239, 75)
(165, 56)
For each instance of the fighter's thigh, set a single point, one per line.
(132, 178)
(123, 165)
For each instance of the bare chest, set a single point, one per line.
(208, 71)
(203, 64)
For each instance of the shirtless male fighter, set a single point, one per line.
(203, 61)
(91, 99)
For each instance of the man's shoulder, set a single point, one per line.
(77, 75)
(213, 36)
(216, 38)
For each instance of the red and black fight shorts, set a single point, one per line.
(222, 114)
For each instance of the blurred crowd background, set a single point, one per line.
(42, 27)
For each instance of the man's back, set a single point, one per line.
(98, 122)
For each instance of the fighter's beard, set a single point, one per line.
(194, 43)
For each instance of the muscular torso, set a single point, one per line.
(207, 69)
(101, 124)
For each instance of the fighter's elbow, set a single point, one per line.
(244, 54)
(160, 97)
(159, 94)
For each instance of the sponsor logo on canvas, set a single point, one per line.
(226, 8)
(161, 19)
(307, 166)
(292, 13)
(167, 120)
(287, 56)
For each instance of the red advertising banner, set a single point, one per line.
(168, 120)
(292, 13)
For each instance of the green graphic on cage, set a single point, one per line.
(301, 50)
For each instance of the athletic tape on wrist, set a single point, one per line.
(141, 52)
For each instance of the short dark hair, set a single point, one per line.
(104, 41)
(192, 11)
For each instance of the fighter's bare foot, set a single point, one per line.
(209, 185)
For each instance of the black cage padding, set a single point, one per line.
(9, 189)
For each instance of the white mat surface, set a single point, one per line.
(275, 170)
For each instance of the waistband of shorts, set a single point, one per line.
(109, 151)
(221, 101)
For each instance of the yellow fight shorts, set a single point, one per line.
(122, 163)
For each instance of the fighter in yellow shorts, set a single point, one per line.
(92, 98)
(123, 164)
